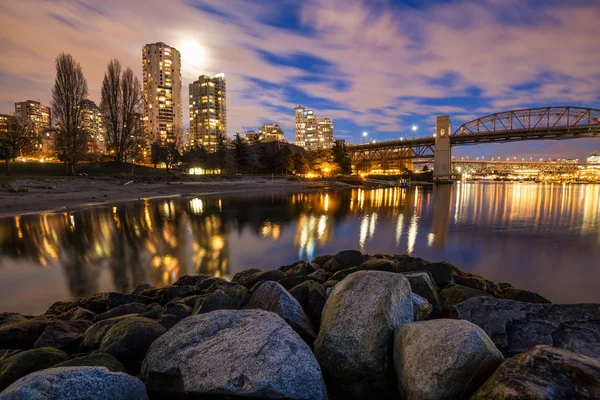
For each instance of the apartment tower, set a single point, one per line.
(208, 110)
(163, 121)
(313, 133)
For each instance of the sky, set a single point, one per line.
(379, 66)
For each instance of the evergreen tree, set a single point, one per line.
(240, 153)
(342, 158)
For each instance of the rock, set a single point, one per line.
(245, 353)
(422, 284)
(76, 314)
(168, 320)
(378, 264)
(356, 334)
(190, 301)
(157, 294)
(94, 334)
(211, 284)
(321, 260)
(311, 297)
(338, 276)
(132, 308)
(443, 359)
(343, 260)
(299, 268)
(179, 309)
(94, 360)
(271, 296)
(544, 373)
(26, 362)
(140, 288)
(63, 335)
(60, 307)
(182, 291)
(477, 282)
(320, 275)
(10, 318)
(421, 307)
(516, 327)
(525, 296)
(292, 281)
(5, 353)
(22, 335)
(245, 276)
(330, 284)
(152, 311)
(128, 341)
(266, 276)
(220, 300)
(441, 272)
(191, 280)
(103, 302)
(73, 383)
(452, 295)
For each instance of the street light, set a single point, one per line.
(364, 136)
(414, 129)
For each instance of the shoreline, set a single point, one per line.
(305, 316)
(38, 196)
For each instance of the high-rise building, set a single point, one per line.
(313, 133)
(38, 114)
(252, 137)
(271, 133)
(162, 93)
(208, 110)
(91, 123)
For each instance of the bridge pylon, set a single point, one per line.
(442, 160)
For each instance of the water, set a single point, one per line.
(540, 237)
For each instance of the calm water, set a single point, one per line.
(540, 237)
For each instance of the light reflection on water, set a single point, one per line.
(537, 236)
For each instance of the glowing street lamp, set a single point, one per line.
(414, 129)
(365, 136)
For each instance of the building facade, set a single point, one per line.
(313, 133)
(593, 159)
(208, 110)
(163, 120)
(271, 133)
(40, 118)
(252, 137)
(92, 124)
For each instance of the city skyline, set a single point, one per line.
(395, 67)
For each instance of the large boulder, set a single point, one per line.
(292, 281)
(299, 268)
(524, 295)
(77, 313)
(22, 334)
(103, 302)
(271, 296)
(443, 359)
(76, 383)
(131, 308)
(93, 336)
(453, 294)
(357, 327)
(544, 373)
(244, 277)
(379, 264)
(11, 318)
(26, 362)
(266, 276)
(422, 284)
(516, 327)
(245, 353)
(343, 260)
(441, 272)
(227, 298)
(129, 340)
(63, 335)
(181, 291)
(319, 275)
(312, 298)
(421, 307)
(94, 360)
(191, 280)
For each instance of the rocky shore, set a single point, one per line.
(344, 326)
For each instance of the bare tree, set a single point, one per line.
(121, 104)
(15, 140)
(70, 89)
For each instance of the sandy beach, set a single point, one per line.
(26, 196)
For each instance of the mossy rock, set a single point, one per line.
(26, 362)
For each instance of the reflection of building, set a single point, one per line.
(208, 110)
(91, 123)
(312, 230)
(162, 93)
(313, 133)
(271, 133)
(40, 117)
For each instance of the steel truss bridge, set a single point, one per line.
(550, 167)
(565, 122)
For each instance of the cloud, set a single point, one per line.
(373, 65)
